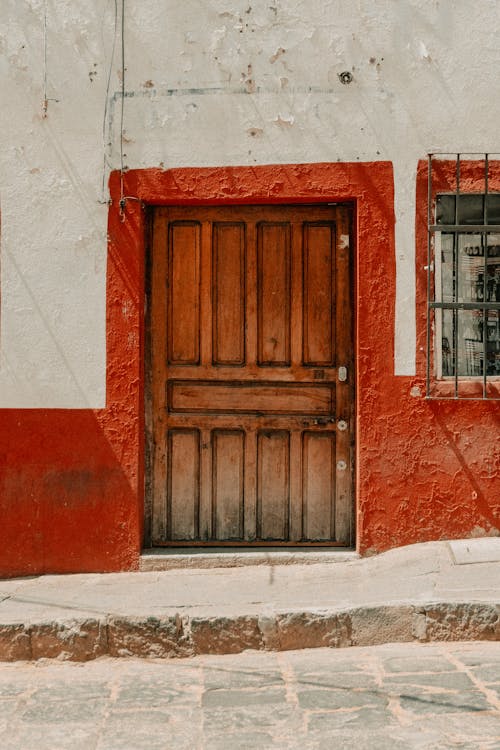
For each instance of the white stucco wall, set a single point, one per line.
(209, 82)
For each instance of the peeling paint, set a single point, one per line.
(284, 122)
(249, 80)
(279, 52)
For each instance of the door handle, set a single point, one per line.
(342, 373)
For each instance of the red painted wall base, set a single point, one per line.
(72, 482)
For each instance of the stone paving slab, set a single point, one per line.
(390, 697)
(415, 593)
(470, 551)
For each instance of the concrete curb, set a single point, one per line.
(83, 639)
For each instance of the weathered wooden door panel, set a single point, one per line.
(273, 293)
(318, 485)
(273, 485)
(183, 476)
(252, 426)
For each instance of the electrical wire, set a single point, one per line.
(106, 136)
(122, 108)
(45, 102)
(123, 198)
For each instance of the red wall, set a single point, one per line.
(72, 481)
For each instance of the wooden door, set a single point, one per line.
(252, 381)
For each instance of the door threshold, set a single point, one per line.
(162, 558)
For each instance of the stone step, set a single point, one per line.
(85, 638)
(272, 600)
(161, 558)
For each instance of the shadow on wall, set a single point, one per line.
(490, 465)
(66, 502)
(71, 480)
(438, 474)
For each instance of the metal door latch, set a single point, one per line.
(342, 374)
(323, 420)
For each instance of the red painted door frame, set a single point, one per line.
(369, 187)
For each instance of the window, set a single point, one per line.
(464, 286)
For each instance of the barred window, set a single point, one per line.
(464, 290)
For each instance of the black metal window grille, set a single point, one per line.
(463, 280)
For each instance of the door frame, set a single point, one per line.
(367, 186)
(157, 470)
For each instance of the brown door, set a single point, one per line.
(252, 396)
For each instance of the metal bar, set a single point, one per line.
(468, 153)
(438, 316)
(429, 254)
(455, 353)
(485, 316)
(455, 279)
(474, 228)
(254, 544)
(484, 242)
(465, 305)
(486, 178)
(455, 274)
(455, 321)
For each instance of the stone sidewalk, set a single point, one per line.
(424, 592)
(392, 697)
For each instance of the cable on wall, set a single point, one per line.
(45, 102)
(46, 99)
(123, 198)
(106, 136)
(122, 108)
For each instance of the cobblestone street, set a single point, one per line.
(394, 696)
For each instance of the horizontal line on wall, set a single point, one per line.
(210, 90)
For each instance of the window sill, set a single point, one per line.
(467, 388)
